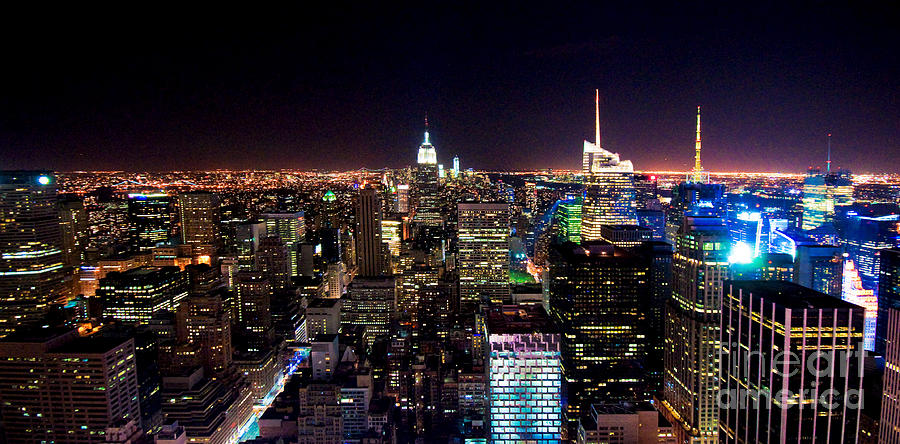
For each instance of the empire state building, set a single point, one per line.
(426, 187)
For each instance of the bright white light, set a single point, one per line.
(741, 253)
(44, 180)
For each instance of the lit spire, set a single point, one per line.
(828, 159)
(597, 118)
(426, 129)
(698, 169)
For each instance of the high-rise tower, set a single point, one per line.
(369, 249)
(31, 267)
(483, 252)
(698, 175)
(199, 214)
(427, 209)
(691, 379)
(609, 186)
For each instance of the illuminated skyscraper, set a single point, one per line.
(483, 252)
(254, 310)
(455, 166)
(369, 303)
(854, 293)
(247, 237)
(822, 192)
(291, 228)
(403, 199)
(150, 217)
(418, 284)
(598, 298)
(864, 237)
(205, 320)
(135, 295)
(31, 265)
(691, 380)
(427, 206)
(888, 297)
(608, 188)
(73, 223)
(524, 376)
(568, 217)
(273, 261)
(890, 401)
(774, 386)
(199, 214)
(370, 251)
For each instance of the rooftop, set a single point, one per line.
(790, 295)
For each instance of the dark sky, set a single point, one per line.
(508, 85)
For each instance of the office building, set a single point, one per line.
(137, 294)
(609, 194)
(73, 225)
(655, 220)
(694, 198)
(150, 218)
(853, 292)
(291, 229)
(625, 423)
(418, 285)
(212, 410)
(57, 386)
(323, 317)
(625, 236)
(888, 294)
(524, 376)
(765, 267)
(598, 299)
(273, 261)
(568, 220)
(254, 303)
(691, 380)
(199, 215)
(774, 387)
(819, 267)
(247, 237)
(205, 320)
(822, 192)
(863, 237)
(483, 260)
(370, 251)
(324, 356)
(369, 303)
(889, 432)
(32, 260)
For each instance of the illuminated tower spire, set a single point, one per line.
(597, 118)
(828, 159)
(698, 168)
(426, 130)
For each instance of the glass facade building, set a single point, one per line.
(524, 376)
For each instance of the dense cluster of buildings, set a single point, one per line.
(427, 304)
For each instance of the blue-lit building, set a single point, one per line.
(524, 376)
(695, 199)
(888, 294)
(654, 220)
(863, 236)
(150, 216)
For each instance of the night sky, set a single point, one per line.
(509, 86)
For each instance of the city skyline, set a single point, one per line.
(307, 97)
